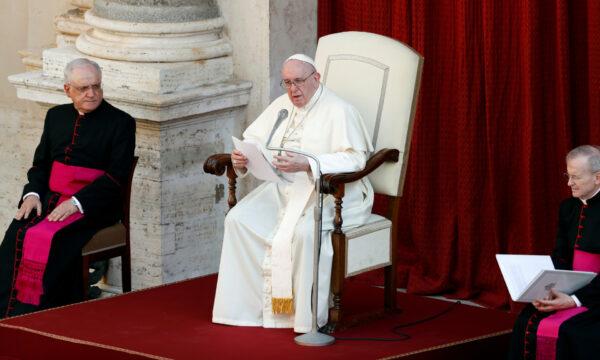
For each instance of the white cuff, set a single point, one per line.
(31, 193)
(76, 202)
(577, 302)
(313, 168)
(240, 174)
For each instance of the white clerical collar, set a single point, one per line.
(313, 100)
(585, 201)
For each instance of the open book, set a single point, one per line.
(258, 164)
(531, 277)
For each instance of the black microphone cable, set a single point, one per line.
(396, 329)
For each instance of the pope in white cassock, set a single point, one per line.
(265, 274)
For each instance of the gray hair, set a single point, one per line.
(77, 63)
(591, 152)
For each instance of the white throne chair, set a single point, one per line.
(380, 77)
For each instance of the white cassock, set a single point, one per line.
(333, 130)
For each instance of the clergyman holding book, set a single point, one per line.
(563, 326)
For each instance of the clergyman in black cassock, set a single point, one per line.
(75, 185)
(577, 248)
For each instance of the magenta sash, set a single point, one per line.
(547, 332)
(65, 180)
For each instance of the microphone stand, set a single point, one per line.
(314, 337)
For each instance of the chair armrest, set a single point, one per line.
(217, 164)
(330, 182)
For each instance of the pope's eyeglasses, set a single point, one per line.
(286, 83)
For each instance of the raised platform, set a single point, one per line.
(173, 322)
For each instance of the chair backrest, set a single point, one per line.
(380, 77)
(127, 196)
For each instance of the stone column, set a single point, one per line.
(70, 24)
(168, 65)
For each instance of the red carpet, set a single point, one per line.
(174, 322)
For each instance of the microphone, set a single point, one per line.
(283, 113)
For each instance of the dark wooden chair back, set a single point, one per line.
(112, 241)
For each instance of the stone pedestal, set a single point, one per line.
(187, 105)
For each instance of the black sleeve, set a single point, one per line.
(569, 214)
(105, 193)
(562, 256)
(589, 295)
(38, 175)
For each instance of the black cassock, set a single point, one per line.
(103, 139)
(579, 336)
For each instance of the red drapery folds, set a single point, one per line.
(508, 88)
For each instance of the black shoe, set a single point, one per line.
(99, 268)
(94, 292)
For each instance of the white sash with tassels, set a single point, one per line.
(282, 298)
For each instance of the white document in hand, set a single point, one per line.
(530, 277)
(258, 164)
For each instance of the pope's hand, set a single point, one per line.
(290, 162)
(238, 160)
(31, 202)
(62, 211)
(556, 300)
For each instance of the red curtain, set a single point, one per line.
(508, 88)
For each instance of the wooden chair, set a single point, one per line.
(110, 242)
(380, 77)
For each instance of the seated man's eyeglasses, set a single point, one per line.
(574, 178)
(286, 84)
(82, 89)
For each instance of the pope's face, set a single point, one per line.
(304, 81)
(85, 88)
(582, 181)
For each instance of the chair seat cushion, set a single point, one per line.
(368, 246)
(108, 238)
(374, 223)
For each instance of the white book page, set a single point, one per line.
(519, 270)
(258, 165)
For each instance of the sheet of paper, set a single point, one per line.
(519, 270)
(258, 164)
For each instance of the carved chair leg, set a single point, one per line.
(85, 276)
(390, 271)
(390, 288)
(126, 271)
(338, 272)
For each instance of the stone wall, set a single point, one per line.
(179, 239)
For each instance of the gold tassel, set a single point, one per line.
(282, 305)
